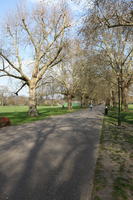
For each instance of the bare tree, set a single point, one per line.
(85, 79)
(119, 54)
(4, 93)
(34, 43)
(65, 79)
(115, 13)
(64, 76)
(117, 49)
(110, 14)
(47, 89)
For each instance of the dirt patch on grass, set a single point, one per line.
(113, 175)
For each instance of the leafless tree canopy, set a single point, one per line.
(115, 13)
(33, 42)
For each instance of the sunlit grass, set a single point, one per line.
(18, 114)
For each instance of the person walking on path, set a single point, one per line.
(91, 106)
(106, 110)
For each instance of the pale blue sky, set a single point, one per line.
(8, 5)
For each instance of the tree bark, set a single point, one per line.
(119, 101)
(107, 101)
(81, 102)
(69, 100)
(2, 100)
(122, 98)
(113, 99)
(32, 101)
(85, 101)
(125, 95)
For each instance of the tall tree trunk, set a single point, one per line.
(107, 101)
(125, 96)
(122, 98)
(2, 100)
(81, 102)
(52, 100)
(113, 99)
(86, 101)
(69, 100)
(32, 101)
(119, 101)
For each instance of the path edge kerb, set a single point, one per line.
(90, 193)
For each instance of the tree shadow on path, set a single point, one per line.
(59, 165)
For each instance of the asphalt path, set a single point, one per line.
(51, 159)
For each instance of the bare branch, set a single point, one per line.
(11, 75)
(127, 56)
(50, 64)
(30, 34)
(20, 89)
(118, 25)
(9, 62)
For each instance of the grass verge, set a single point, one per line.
(113, 175)
(18, 114)
(126, 117)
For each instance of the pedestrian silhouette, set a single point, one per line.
(91, 106)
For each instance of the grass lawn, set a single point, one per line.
(131, 106)
(18, 114)
(113, 175)
(125, 116)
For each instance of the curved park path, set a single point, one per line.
(52, 159)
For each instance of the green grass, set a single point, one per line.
(113, 174)
(125, 116)
(18, 114)
(130, 107)
(119, 188)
